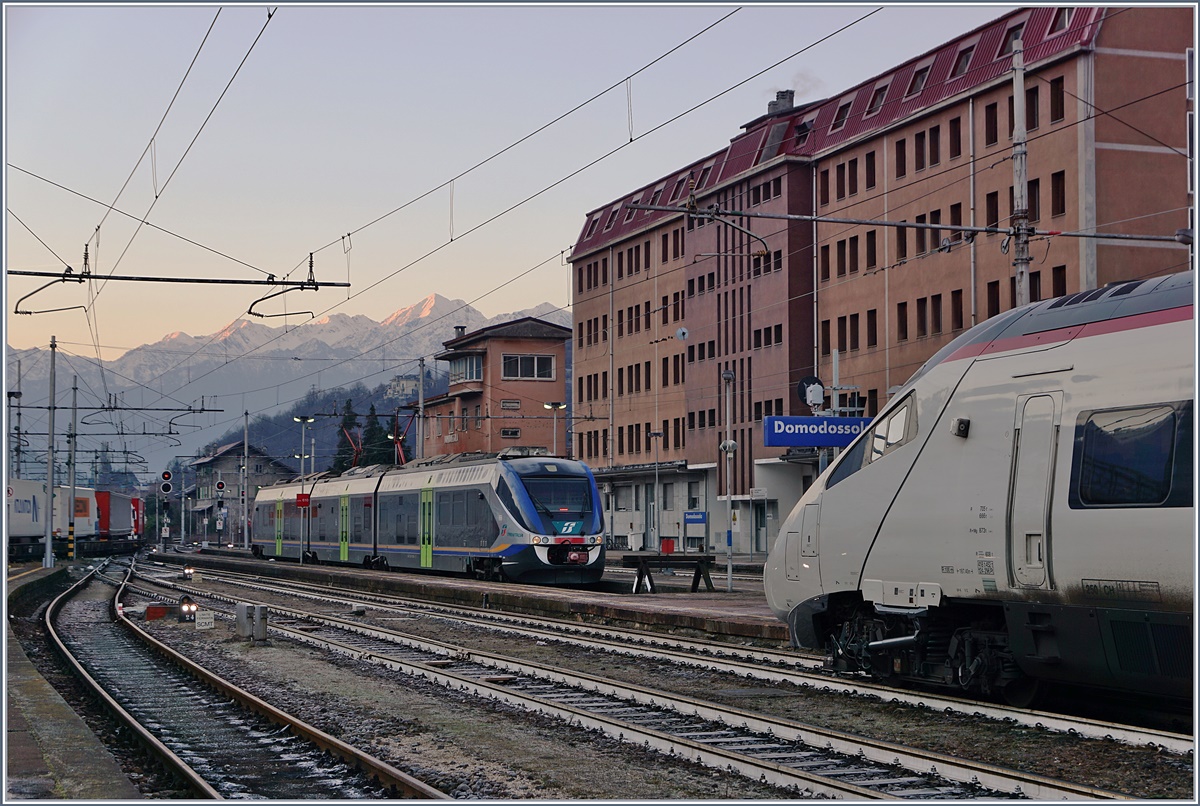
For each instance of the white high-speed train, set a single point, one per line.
(1020, 512)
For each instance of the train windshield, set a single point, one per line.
(560, 498)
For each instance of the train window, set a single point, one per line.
(1133, 457)
(890, 432)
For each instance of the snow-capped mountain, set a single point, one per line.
(250, 366)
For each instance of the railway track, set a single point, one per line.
(810, 760)
(775, 666)
(220, 741)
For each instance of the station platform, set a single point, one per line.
(50, 752)
(741, 614)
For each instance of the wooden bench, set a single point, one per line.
(645, 561)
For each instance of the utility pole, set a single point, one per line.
(420, 452)
(15, 439)
(48, 557)
(1020, 190)
(244, 481)
(71, 470)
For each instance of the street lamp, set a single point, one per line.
(554, 407)
(656, 516)
(304, 420)
(728, 447)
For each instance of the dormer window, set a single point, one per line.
(612, 217)
(877, 100)
(962, 62)
(592, 227)
(1062, 18)
(802, 132)
(1010, 39)
(918, 81)
(629, 213)
(678, 188)
(839, 120)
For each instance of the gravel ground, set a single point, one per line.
(1138, 772)
(468, 747)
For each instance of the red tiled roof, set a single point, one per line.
(986, 65)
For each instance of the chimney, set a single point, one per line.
(460, 331)
(784, 100)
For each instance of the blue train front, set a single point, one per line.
(534, 519)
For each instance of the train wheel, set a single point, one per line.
(1023, 693)
(380, 564)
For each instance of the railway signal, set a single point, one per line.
(165, 487)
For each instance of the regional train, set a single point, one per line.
(1020, 513)
(509, 515)
(105, 522)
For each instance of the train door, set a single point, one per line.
(1035, 441)
(279, 527)
(344, 528)
(427, 528)
(803, 545)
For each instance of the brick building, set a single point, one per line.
(678, 316)
(501, 379)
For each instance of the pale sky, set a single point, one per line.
(342, 114)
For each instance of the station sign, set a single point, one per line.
(697, 516)
(302, 499)
(812, 432)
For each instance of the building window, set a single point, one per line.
(1058, 99)
(901, 321)
(935, 313)
(824, 337)
(841, 334)
(825, 262)
(872, 328)
(956, 221)
(839, 119)
(962, 62)
(841, 258)
(876, 100)
(922, 317)
(1058, 276)
(920, 232)
(466, 368)
(853, 331)
(991, 208)
(956, 310)
(901, 243)
(824, 186)
(841, 181)
(852, 176)
(1035, 286)
(1058, 193)
(853, 257)
(993, 298)
(869, 169)
(918, 81)
(991, 125)
(1062, 18)
(1031, 108)
(510, 433)
(919, 151)
(935, 145)
(955, 138)
(528, 367)
(1010, 39)
(871, 249)
(901, 168)
(1034, 189)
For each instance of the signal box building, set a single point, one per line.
(680, 313)
(502, 378)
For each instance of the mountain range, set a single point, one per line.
(246, 366)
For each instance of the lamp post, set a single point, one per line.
(728, 447)
(304, 420)
(554, 407)
(656, 516)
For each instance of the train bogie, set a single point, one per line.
(1021, 510)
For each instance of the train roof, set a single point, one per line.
(1113, 301)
